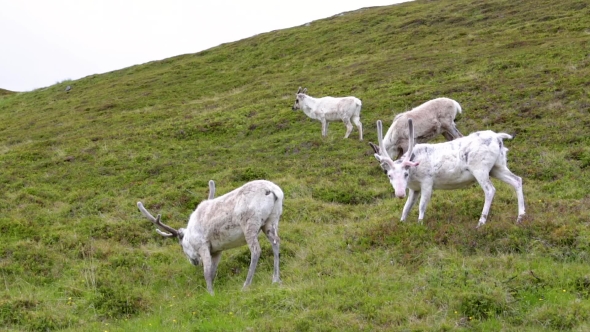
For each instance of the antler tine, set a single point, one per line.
(157, 222)
(411, 144)
(382, 150)
(411, 137)
(211, 189)
(164, 233)
(380, 133)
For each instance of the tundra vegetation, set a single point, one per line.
(75, 253)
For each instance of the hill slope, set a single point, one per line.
(4, 92)
(74, 250)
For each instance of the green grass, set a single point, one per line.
(75, 254)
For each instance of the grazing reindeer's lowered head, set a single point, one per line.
(449, 165)
(434, 117)
(226, 222)
(328, 109)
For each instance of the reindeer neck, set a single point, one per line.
(309, 106)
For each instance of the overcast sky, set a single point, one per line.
(43, 42)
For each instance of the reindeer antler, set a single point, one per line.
(406, 161)
(382, 151)
(157, 222)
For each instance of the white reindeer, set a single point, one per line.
(229, 221)
(450, 165)
(327, 109)
(434, 117)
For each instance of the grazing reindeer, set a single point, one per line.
(226, 222)
(326, 109)
(450, 165)
(434, 117)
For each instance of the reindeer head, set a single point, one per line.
(168, 231)
(299, 96)
(397, 171)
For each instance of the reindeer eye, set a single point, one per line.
(406, 175)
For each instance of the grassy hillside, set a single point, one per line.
(4, 92)
(75, 254)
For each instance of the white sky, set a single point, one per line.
(43, 42)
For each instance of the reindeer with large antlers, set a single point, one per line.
(226, 222)
(449, 165)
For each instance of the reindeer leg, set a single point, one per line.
(348, 127)
(489, 191)
(207, 267)
(424, 199)
(413, 195)
(215, 258)
(505, 175)
(251, 234)
(455, 132)
(448, 136)
(273, 237)
(324, 127)
(357, 121)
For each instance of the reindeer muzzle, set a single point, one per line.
(400, 194)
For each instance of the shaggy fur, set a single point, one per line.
(229, 221)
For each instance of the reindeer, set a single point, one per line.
(434, 117)
(226, 222)
(449, 165)
(327, 109)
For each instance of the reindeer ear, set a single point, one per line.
(304, 91)
(409, 164)
(299, 91)
(378, 157)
